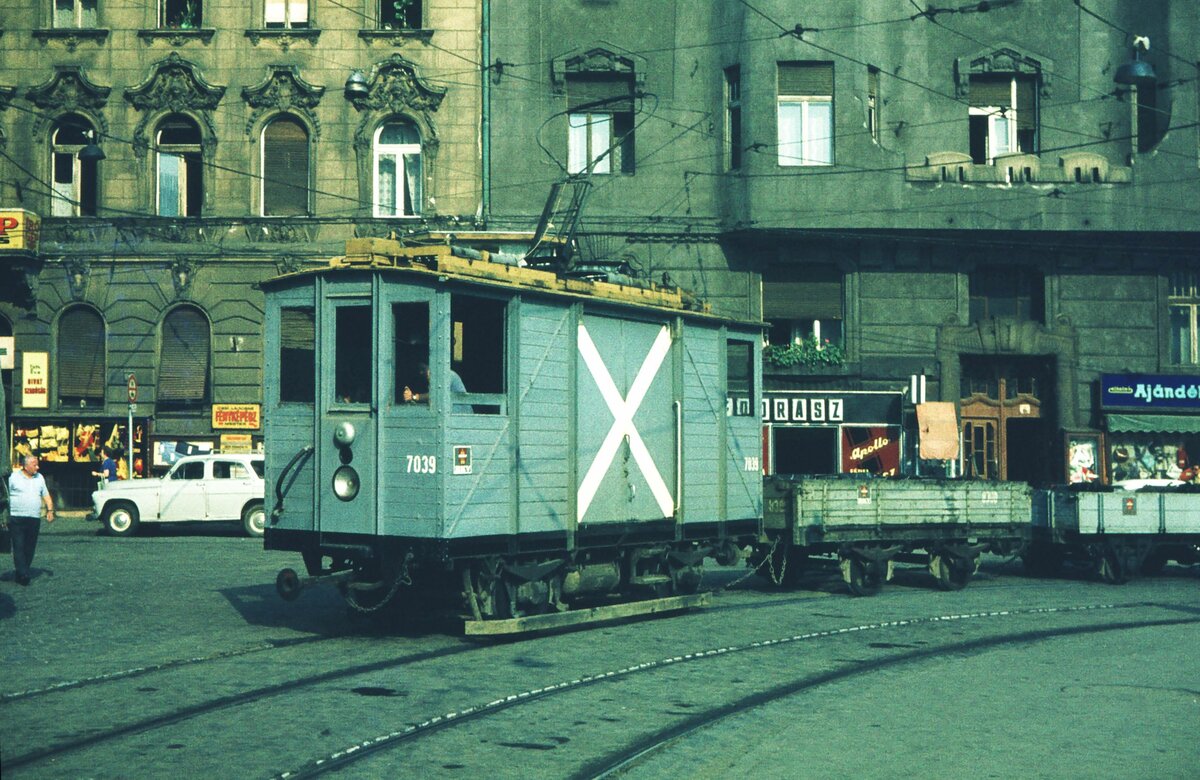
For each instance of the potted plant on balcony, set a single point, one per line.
(809, 352)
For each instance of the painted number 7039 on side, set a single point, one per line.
(422, 464)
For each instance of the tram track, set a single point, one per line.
(608, 764)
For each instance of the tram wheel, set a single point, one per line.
(953, 572)
(865, 576)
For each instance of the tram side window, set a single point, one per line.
(354, 355)
(297, 355)
(740, 379)
(410, 324)
(477, 328)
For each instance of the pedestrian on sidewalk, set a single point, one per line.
(27, 494)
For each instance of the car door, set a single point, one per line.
(183, 494)
(231, 485)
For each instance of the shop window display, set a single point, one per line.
(1161, 457)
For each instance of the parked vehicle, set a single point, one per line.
(198, 488)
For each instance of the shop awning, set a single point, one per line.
(937, 424)
(1154, 423)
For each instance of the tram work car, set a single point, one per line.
(446, 420)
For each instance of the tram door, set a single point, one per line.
(1005, 423)
(625, 421)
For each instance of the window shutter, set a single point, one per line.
(803, 293)
(81, 338)
(806, 78)
(1026, 103)
(991, 91)
(183, 364)
(617, 90)
(285, 168)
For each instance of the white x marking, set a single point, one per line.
(623, 410)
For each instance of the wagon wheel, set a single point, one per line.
(865, 576)
(493, 597)
(1111, 567)
(953, 572)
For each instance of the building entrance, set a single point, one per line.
(1006, 424)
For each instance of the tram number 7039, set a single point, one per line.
(422, 464)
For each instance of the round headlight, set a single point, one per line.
(343, 434)
(345, 483)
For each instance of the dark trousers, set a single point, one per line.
(24, 532)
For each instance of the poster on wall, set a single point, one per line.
(871, 450)
(1085, 462)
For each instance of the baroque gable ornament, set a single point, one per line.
(68, 91)
(176, 86)
(395, 87)
(284, 89)
(1003, 58)
(599, 60)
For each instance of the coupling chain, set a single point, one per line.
(402, 578)
(768, 559)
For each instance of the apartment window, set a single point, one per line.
(285, 14)
(81, 358)
(803, 304)
(397, 170)
(183, 365)
(75, 180)
(733, 118)
(1002, 115)
(873, 104)
(399, 14)
(1183, 305)
(180, 169)
(805, 113)
(297, 355)
(1013, 293)
(180, 14)
(75, 13)
(285, 168)
(600, 124)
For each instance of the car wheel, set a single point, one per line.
(121, 519)
(254, 519)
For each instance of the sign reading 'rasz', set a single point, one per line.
(830, 408)
(1149, 391)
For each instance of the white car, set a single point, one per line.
(210, 488)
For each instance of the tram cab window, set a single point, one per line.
(740, 379)
(297, 355)
(477, 350)
(354, 356)
(410, 324)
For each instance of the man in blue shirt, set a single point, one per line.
(27, 494)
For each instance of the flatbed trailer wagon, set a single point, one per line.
(869, 522)
(1119, 533)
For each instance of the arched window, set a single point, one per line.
(74, 192)
(397, 170)
(81, 370)
(184, 359)
(284, 168)
(180, 169)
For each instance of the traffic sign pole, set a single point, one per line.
(129, 430)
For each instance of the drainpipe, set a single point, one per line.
(485, 124)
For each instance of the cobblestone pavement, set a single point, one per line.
(170, 654)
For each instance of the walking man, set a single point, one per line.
(27, 494)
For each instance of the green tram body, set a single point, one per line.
(601, 443)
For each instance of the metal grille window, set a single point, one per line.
(805, 113)
(399, 14)
(75, 180)
(290, 14)
(733, 118)
(285, 168)
(803, 302)
(184, 358)
(81, 357)
(180, 169)
(1183, 305)
(1002, 115)
(297, 355)
(600, 124)
(1014, 293)
(75, 13)
(397, 170)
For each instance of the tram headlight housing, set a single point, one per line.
(344, 434)
(346, 483)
